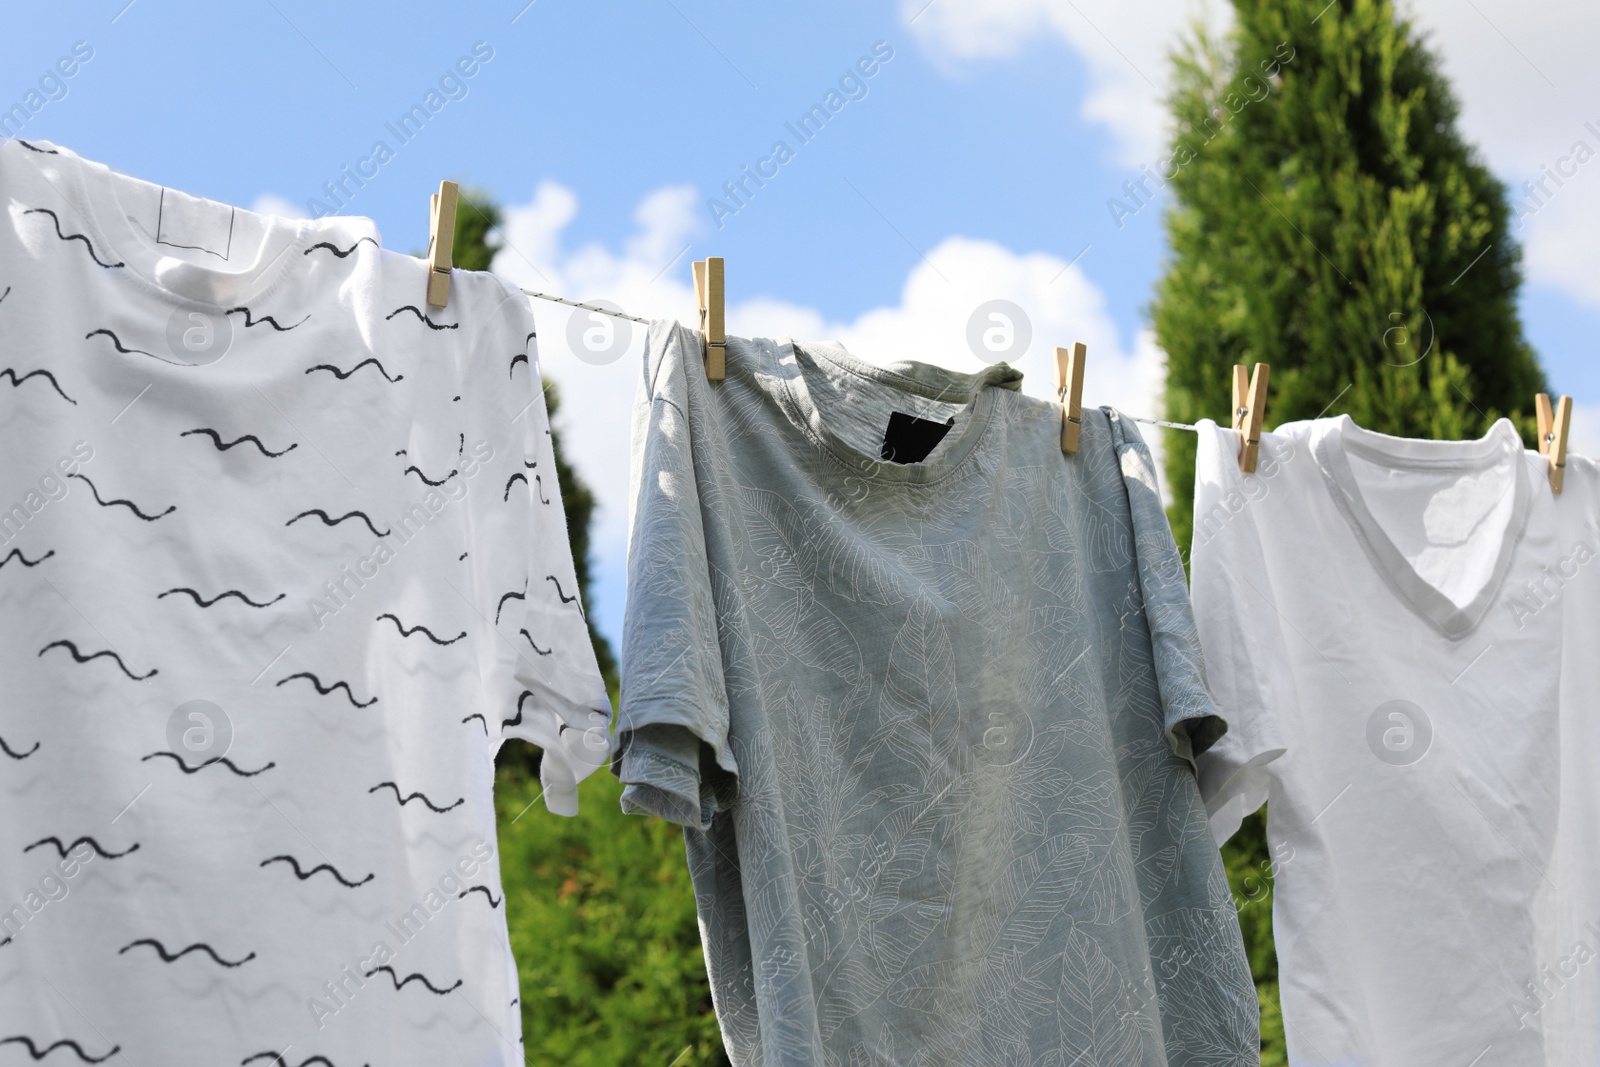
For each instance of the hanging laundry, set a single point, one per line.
(283, 564)
(1401, 635)
(924, 692)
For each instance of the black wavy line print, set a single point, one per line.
(304, 875)
(536, 648)
(343, 374)
(81, 658)
(429, 323)
(279, 1061)
(517, 719)
(99, 849)
(16, 553)
(565, 599)
(5, 294)
(413, 469)
(481, 719)
(73, 236)
(223, 446)
(493, 903)
(116, 342)
(429, 634)
(512, 480)
(36, 148)
(17, 755)
(337, 251)
(329, 521)
(38, 1054)
(417, 796)
(16, 383)
(325, 690)
(173, 957)
(520, 357)
(130, 505)
(413, 977)
(202, 765)
(204, 603)
(542, 498)
(267, 319)
(509, 596)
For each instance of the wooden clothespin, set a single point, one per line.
(710, 298)
(1249, 408)
(1069, 387)
(441, 242)
(1553, 426)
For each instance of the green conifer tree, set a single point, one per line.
(1327, 218)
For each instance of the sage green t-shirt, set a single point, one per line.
(924, 692)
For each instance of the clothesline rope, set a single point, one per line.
(634, 318)
(586, 307)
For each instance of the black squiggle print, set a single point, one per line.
(116, 342)
(327, 520)
(81, 658)
(267, 319)
(565, 599)
(303, 875)
(542, 498)
(481, 719)
(39, 1054)
(519, 476)
(16, 553)
(17, 755)
(414, 977)
(489, 896)
(413, 469)
(509, 596)
(417, 796)
(130, 505)
(173, 957)
(36, 148)
(204, 603)
(336, 250)
(429, 323)
(429, 634)
(99, 850)
(325, 690)
(343, 374)
(16, 383)
(223, 446)
(197, 768)
(517, 719)
(279, 1061)
(73, 236)
(520, 357)
(5, 294)
(536, 648)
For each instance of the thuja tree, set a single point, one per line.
(1328, 218)
(600, 907)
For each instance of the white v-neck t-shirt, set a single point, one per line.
(282, 564)
(1405, 639)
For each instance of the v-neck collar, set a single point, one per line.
(1501, 445)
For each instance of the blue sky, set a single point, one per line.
(974, 164)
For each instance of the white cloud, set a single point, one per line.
(1123, 44)
(929, 323)
(272, 204)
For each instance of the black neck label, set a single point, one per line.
(909, 439)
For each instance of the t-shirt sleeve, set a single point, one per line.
(673, 753)
(541, 680)
(1240, 634)
(1192, 723)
